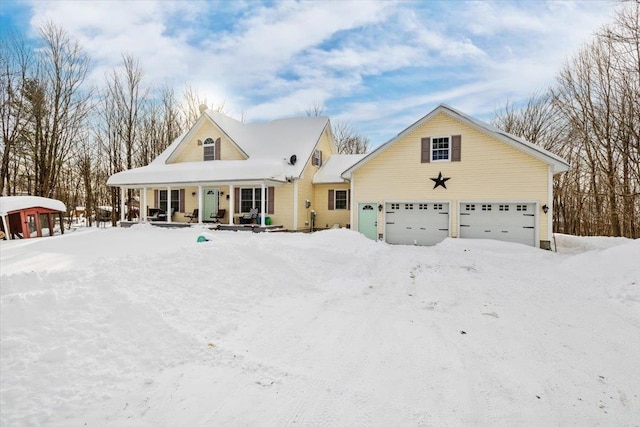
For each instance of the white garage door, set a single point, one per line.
(511, 222)
(419, 223)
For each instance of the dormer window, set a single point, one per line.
(211, 149)
(316, 160)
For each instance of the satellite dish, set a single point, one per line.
(293, 159)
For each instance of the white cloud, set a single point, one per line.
(376, 63)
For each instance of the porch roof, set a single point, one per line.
(202, 172)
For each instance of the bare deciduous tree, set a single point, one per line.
(58, 106)
(348, 140)
(16, 60)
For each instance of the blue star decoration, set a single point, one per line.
(440, 181)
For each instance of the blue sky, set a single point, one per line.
(379, 65)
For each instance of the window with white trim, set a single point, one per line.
(175, 200)
(252, 198)
(209, 149)
(441, 149)
(340, 200)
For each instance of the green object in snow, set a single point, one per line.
(202, 239)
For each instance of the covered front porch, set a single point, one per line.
(216, 203)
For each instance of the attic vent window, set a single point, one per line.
(211, 149)
(316, 160)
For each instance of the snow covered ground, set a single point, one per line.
(146, 327)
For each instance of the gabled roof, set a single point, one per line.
(268, 148)
(557, 163)
(331, 170)
(16, 203)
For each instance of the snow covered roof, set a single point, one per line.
(15, 203)
(268, 147)
(200, 172)
(331, 170)
(557, 163)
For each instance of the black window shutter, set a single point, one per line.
(236, 200)
(181, 207)
(426, 150)
(217, 148)
(456, 148)
(349, 200)
(156, 198)
(331, 196)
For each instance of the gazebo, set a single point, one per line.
(30, 216)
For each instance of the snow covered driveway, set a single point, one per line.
(144, 326)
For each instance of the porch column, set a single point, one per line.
(143, 208)
(263, 201)
(232, 201)
(122, 203)
(200, 204)
(169, 204)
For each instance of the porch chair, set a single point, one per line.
(248, 218)
(192, 216)
(163, 215)
(154, 214)
(217, 217)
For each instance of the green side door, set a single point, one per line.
(368, 220)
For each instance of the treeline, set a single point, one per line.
(591, 117)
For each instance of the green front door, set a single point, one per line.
(368, 220)
(211, 203)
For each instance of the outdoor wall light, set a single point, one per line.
(545, 208)
(379, 207)
(193, 194)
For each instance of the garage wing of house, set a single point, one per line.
(451, 175)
